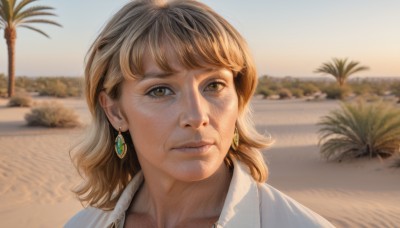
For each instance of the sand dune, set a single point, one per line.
(36, 174)
(363, 193)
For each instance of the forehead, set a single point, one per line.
(166, 61)
(152, 70)
(170, 64)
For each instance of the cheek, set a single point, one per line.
(224, 120)
(149, 130)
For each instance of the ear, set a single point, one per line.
(113, 112)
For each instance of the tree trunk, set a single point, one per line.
(10, 34)
(341, 82)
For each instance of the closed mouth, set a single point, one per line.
(194, 147)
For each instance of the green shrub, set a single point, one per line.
(54, 88)
(336, 92)
(362, 89)
(266, 92)
(20, 100)
(74, 92)
(372, 98)
(3, 81)
(309, 89)
(371, 86)
(395, 90)
(360, 130)
(284, 93)
(3, 92)
(275, 87)
(25, 83)
(3, 86)
(296, 92)
(52, 114)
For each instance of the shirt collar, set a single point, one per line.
(118, 214)
(241, 207)
(242, 204)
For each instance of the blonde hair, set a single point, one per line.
(199, 37)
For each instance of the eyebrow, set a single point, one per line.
(157, 75)
(169, 74)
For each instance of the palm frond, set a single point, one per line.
(12, 3)
(339, 69)
(22, 4)
(32, 14)
(35, 11)
(36, 30)
(44, 21)
(2, 16)
(6, 9)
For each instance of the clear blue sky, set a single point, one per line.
(287, 37)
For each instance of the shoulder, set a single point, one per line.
(89, 217)
(279, 210)
(95, 217)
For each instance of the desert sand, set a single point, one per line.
(36, 175)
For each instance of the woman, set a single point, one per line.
(171, 144)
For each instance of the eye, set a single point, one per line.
(159, 92)
(215, 86)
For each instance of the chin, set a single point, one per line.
(190, 171)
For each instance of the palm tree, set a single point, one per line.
(339, 69)
(22, 14)
(360, 130)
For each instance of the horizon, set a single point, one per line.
(286, 38)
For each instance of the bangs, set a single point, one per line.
(185, 35)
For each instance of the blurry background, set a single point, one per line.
(287, 38)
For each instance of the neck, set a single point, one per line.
(170, 203)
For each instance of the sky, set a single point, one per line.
(286, 37)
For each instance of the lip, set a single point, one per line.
(194, 147)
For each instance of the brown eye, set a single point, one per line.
(159, 92)
(215, 87)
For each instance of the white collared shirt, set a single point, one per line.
(248, 204)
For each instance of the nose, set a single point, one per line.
(194, 110)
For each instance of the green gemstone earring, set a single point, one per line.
(235, 140)
(120, 145)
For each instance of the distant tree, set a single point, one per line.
(21, 14)
(340, 69)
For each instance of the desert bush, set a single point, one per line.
(275, 87)
(395, 90)
(3, 81)
(3, 86)
(20, 100)
(379, 90)
(290, 82)
(265, 92)
(25, 83)
(284, 93)
(360, 130)
(51, 86)
(309, 89)
(297, 92)
(336, 92)
(54, 88)
(371, 86)
(74, 92)
(52, 114)
(362, 89)
(3, 92)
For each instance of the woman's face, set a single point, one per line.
(181, 124)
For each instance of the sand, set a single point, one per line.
(36, 174)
